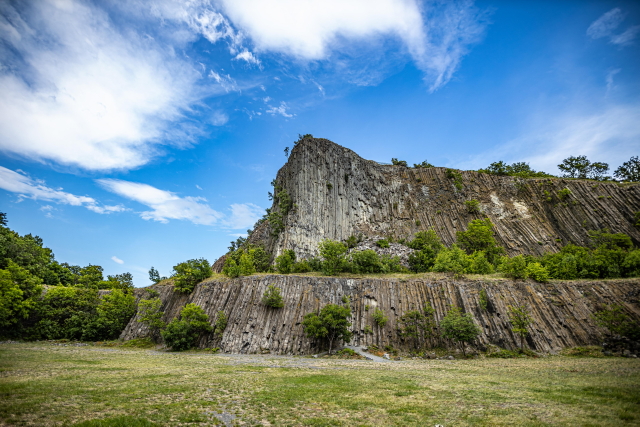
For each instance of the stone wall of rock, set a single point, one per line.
(562, 311)
(338, 194)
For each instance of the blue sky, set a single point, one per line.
(138, 134)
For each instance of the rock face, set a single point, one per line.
(561, 311)
(336, 194)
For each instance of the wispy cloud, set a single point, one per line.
(164, 205)
(610, 136)
(606, 26)
(117, 260)
(79, 91)
(248, 57)
(437, 35)
(282, 110)
(167, 205)
(28, 188)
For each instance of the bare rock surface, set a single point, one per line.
(561, 311)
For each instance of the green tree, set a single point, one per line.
(453, 260)
(333, 254)
(220, 324)
(331, 323)
(618, 321)
(272, 297)
(182, 333)
(515, 267)
(459, 326)
(397, 162)
(122, 281)
(154, 276)
(150, 313)
(427, 245)
(189, 273)
(537, 272)
(285, 261)
(19, 294)
(419, 325)
(367, 261)
(112, 315)
(90, 276)
(629, 171)
(479, 236)
(581, 167)
(520, 320)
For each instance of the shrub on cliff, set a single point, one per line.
(615, 318)
(182, 333)
(427, 245)
(245, 261)
(272, 297)
(537, 272)
(453, 260)
(367, 261)
(520, 320)
(479, 237)
(189, 273)
(285, 261)
(515, 267)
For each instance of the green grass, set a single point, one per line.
(44, 384)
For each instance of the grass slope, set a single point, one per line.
(47, 384)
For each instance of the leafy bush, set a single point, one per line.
(515, 267)
(346, 352)
(333, 254)
(629, 171)
(182, 334)
(150, 313)
(420, 326)
(479, 264)
(453, 260)
(189, 273)
(587, 351)
(272, 297)
(537, 272)
(519, 169)
(473, 206)
(302, 267)
(379, 318)
(520, 320)
(330, 323)
(425, 164)
(285, 262)
(459, 327)
(397, 162)
(581, 167)
(382, 243)
(220, 324)
(456, 176)
(245, 261)
(564, 193)
(479, 237)
(366, 261)
(483, 299)
(427, 245)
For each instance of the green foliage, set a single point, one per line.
(347, 352)
(351, 242)
(220, 324)
(113, 313)
(183, 332)
(564, 193)
(189, 273)
(330, 323)
(453, 260)
(519, 169)
(419, 326)
(483, 299)
(302, 267)
(537, 272)
(479, 237)
(636, 219)
(629, 171)
(19, 294)
(515, 267)
(154, 276)
(245, 261)
(302, 138)
(272, 297)
(456, 176)
(367, 329)
(397, 162)
(520, 320)
(366, 261)
(479, 264)
(618, 321)
(382, 243)
(581, 167)
(123, 421)
(427, 245)
(285, 262)
(460, 327)
(473, 206)
(282, 206)
(333, 254)
(425, 164)
(604, 239)
(379, 318)
(150, 313)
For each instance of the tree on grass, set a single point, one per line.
(419, 325)
(520, 320)
(460, 327)
(330, 323)
(182, 333)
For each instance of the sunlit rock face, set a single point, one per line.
(336, 194)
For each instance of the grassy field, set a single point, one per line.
(54, 384)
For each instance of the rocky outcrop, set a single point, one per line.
(336, 194)
(561, 312)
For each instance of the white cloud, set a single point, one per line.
(29, 188)
(282, 110)
(219, 118)
(608, 23)
(609, 79)
(436, 35)
(609, 136)
(164, 205)
(248, 57)
(117, 260)
(243, 215)
(225, 81)
(79, 91)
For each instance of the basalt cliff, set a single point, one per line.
(332, 193)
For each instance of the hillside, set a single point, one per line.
(335, 194)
